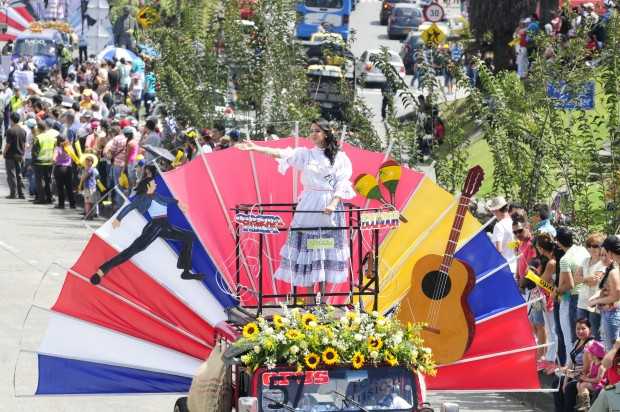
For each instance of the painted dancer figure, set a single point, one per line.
(159, 226)
(315, 256)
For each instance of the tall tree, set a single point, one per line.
(498, 18)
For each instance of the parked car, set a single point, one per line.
(404, 18)
(368, 73)
(413, 42)
(386, 9)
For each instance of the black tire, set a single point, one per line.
(181, 405)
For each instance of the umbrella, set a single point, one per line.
(145, 330)
(111, 52)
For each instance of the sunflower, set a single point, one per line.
(277, 321)
(330, 356)
(307, 319)
(374, 343)
(250, 331)
(391, 359)
(312, 360)
(293, 334)
(358, 360)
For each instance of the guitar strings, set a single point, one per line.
(438, 291)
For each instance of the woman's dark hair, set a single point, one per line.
(564, 237)
(612, 244)
(545, 242)
(143, 185)
(151, 171)
(584, 321)
(331, 143)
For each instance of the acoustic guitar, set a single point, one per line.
(440, 286)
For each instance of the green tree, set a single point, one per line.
(498, 20)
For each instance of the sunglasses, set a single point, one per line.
(315, 130)
(593, 246)
(517, 232)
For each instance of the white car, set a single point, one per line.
(368, 73)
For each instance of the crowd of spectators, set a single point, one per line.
(578, 317)
(84, 134)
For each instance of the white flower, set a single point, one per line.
(269, 331)
(374, 354)
(357, 320)
(271, 365)
(358, 337)
(381, 322)
(286, 321)
(325, 341)
(344, 321)
(375, 314)
(294, 349)
(313, 324)
(257, 349)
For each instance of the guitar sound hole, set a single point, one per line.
(436, 285)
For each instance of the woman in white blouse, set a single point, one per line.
(325, 175)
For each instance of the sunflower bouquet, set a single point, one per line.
(325, 336)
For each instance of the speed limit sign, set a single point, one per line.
(433, 13)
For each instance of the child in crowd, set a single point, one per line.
(88, 183)
(593, 380)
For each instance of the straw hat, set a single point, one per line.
(496, 203)
(90, 156)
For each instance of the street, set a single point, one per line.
(369, 34)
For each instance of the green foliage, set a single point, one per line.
(539, 148)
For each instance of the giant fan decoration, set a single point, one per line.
(17, 16)
(144, 330)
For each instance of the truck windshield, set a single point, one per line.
(34, 47)
(386, 389)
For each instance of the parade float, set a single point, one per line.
(143, 329)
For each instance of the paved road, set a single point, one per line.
(369, 34)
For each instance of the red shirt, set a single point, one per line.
(612, 376)
(527, 252)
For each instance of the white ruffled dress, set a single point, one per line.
(322, 181)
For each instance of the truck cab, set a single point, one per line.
(40, 46)
(334, 389)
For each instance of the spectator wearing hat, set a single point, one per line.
(502, 231)
(88, 183)
(592, 379)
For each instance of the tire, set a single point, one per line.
(181, 405)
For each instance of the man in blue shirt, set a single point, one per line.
(159, 226)
(544, 223)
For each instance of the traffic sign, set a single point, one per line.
(434, 13)
(433, 35)
(147, 16)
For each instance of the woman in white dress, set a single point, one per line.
(325, 175)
